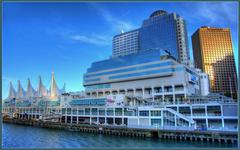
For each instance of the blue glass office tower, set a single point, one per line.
(162, 31)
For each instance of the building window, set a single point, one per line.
(144, 113)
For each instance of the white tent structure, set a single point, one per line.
(12, 93)
(20, 90)
(30, 90)
(54, 91)
(41, 91)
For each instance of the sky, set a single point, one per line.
(66, 38)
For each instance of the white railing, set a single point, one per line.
(180, 115)
(161, 127)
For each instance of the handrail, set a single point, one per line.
(180, 115)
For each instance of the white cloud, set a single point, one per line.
(218, 12)
(115, 22)
(100, 39)
(92, 39)
(214, 13)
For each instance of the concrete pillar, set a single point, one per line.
(104, 94)
(191, 112)
(173, 88)
(105, 116)
(77, 114)
(221, 111)
(223, 123)
(90, 115)
(97, 115)
(152, 88)
(207, 123)
(71, 115)
(143, 95)
(149, 114)
(134, 92)
(66, 115)
(122, 116)
(163, 93)
(206, 115)
(162, 118)
(97, 119)
(206, 110)
(185, 91)
(153, 93)
(175, 119)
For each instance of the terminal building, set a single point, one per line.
(148, 86)
(149, 74)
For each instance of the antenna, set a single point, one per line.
(122, 29)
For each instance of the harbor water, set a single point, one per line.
(20, 136)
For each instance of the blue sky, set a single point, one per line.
(66, 38)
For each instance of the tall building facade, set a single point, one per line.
(162, 31)
(213, 53)
(126, 43)
(150, 74)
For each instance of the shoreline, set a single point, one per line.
(176, 135)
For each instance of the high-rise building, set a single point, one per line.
(162, 31)
(126, 43)
(213, 53)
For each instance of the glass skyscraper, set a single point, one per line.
(213, 53)
(162, 31)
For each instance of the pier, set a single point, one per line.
(178, 135)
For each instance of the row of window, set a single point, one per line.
(162, 64)
(153, 113)
(159, 71)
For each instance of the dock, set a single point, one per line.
(178, 135)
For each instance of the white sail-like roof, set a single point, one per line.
(30, 90)
(12, 92)
(54, 91)
(63, 90)
(20, 91)
(42, 91)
